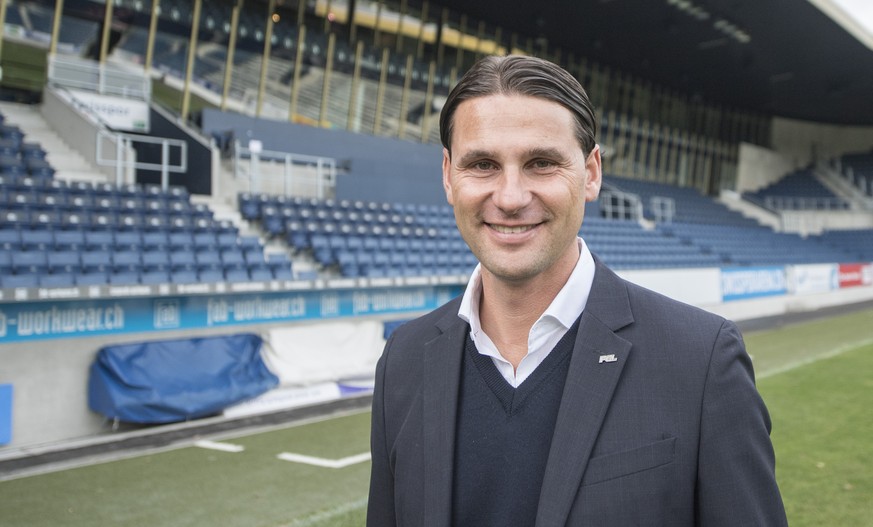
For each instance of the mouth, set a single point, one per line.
(513, 229)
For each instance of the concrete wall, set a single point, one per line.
(198, 178)
(758, 167)
(78, 129)
(802, 141)
(380, 168)
(50, 377)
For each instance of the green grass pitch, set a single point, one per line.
(816, 377)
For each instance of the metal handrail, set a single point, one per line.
(325, 167)
(123, 143)
(804, 203)
(106, 79)
(624, 206)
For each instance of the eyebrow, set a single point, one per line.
(474, 155)
(552, 153)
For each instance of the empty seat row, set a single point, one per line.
(40, 261)
(107, 221)
(96, 189)
(31, 200)
(146, 277)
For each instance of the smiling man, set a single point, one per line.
(553, 392)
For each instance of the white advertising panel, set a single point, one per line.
(819, 278)
(699, 287)
(118, 113)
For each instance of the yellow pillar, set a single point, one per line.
(107, 26)
(231, 48)
(153, 29)
(189, 68)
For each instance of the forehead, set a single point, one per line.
(506, 120)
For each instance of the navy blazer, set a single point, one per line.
(660, 422)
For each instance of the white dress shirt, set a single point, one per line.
(546, 331)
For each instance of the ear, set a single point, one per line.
(594, 174)
(447, 175)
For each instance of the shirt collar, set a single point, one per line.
(566, 306)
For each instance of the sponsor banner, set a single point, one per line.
(698, 287)
(751, 282)
(807, 279)
(286, 398)
(24, 321)
(854, 275)
(118, 113)
(5, 414)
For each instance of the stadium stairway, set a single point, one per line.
(68, 163)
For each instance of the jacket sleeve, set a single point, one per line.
(736, 465)
(380, 506)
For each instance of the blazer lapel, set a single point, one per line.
(595, 367)
(442, 373)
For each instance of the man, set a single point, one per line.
(553, 392)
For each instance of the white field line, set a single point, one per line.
(319, 518)
(810, 360)
(323, 462)
(215, 445)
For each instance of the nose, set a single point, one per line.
(512, 193)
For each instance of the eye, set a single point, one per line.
(542, 164)
(483, 165)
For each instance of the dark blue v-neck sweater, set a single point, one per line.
(503, 438)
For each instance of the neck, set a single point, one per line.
(509, 309)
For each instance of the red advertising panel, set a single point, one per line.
(853, 275)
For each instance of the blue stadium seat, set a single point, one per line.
(211, 275)
(10, 239)
(155, 260)
(182, 259)
(126, 260)
(184, 276)
(155, 241)
(232, 258)
(128, 240)
(261, 274)
(227, 240)
(5, 263)
(23, 280)
(94, 277)
(181, 241)
(32, 262)
(99, 240)
(67, 261)
(75, 220)
(61, 279)
(238, 275)
(155, 276)
(205, 241)
(124, 277)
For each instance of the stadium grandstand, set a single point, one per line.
(212, 212)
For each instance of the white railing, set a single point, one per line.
(105, 79)
(804, 203)
(621, 205)
(663, 208)
(125, 156)
(261, 168)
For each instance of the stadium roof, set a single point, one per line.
(780, 57)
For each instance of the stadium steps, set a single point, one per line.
(735, 202)
(841, 187)
(224, 207)
(68, 163)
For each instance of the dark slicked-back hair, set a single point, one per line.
(521, 75)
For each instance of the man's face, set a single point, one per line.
(518, 181)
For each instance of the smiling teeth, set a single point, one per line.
(511, 230)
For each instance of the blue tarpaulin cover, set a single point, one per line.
(176, 380)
